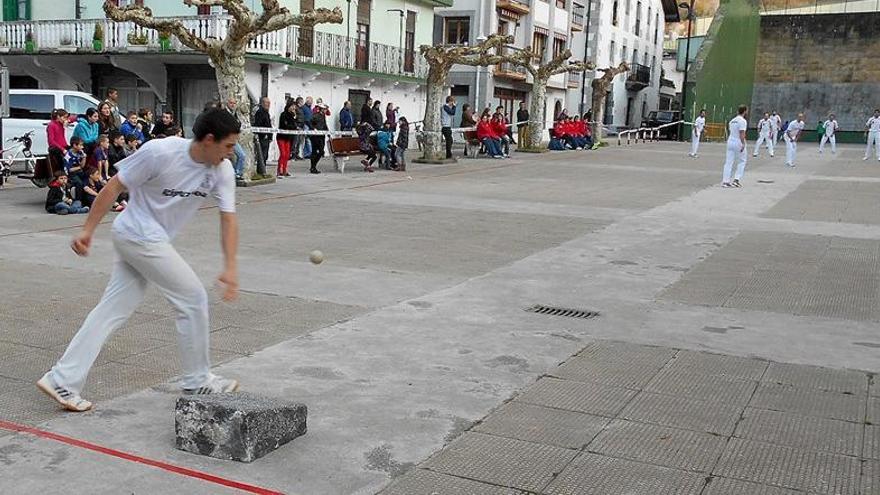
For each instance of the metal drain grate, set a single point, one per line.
(571, 313)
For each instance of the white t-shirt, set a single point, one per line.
(736, 125)
(873, 124)
(166, 188)
(830, 127)
(794, 128)
(699, 124)
(765, 127)
(777, 122)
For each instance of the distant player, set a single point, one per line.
(736, 148)
(792, 134)
(873, 133)
(765, 134)
(777, 126)
(699, 125)
(830, 129)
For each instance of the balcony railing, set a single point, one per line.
(517, 6)
(294, 43)
(574, 79)
(638, 78)
(577, 17)
(510, 71)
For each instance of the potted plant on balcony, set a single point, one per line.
(66, 44)
(98, 38)
(4, 45)
(164, 41)
(137, 42)
(29, 45)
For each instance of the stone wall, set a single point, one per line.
(818, 64)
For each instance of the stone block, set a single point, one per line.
(236, 426)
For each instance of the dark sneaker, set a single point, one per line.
(736, 183)
(67, 399)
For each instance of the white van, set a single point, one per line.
(31, 109)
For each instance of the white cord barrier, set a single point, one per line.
(651, 133)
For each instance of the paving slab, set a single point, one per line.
(717, 364)
(682, 412)
(854, 382)
(589, 398)
(661, 446)
(809, 402)
(805, 432)
(592, 474)
(787, 467)
(501, 461)
(424, 482)
(727, 486)
(542, 425)
(691, 383)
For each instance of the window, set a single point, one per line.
(656, 27)
(539, 45)
(77, 105)
(306, 41)
(457, 30)
(362, 41)
(635, 58)
(614, 13)
(31, 106)
(16, 10)
(558, 45)
(611, 54)
(623, 53)
(638, 18)
(409, 55)
(560, 4)
(653, 67)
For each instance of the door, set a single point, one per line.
(16, 10)
(409, 54)
(357, 97)
(362, 52)
(629, 109)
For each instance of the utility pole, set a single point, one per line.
(586, 51)
(687, 59)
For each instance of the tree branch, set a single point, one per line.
(143, 16)
(282, 18)
(236, 8)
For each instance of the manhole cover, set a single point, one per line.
(554, 311)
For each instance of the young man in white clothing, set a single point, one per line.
(872, 127)
(777, 125)
(736, 148)
(697, 132)
(791, 136)
(830, 129)
(167, 181)
(765, 134)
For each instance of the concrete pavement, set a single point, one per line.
(412, 334)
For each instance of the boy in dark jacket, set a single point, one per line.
(58, 199)
(364, 129)
(318, 123)
(402, 143)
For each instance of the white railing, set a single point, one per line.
(308, 46)
(645, 133)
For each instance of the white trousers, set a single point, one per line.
(873, 142)
(790, 150)
(762, 139)
(734, 155)
(135, 265)
(775, 137)
(695, 142)
(825, 139)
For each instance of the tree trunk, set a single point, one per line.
(230, 72)
(536, 113)
(599, 96)
(434, 93)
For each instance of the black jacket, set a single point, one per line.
(55, 195)
(115, 155)
(378, 117)
(262, 119)
(287, 121)
(522, 116)
(367, 114)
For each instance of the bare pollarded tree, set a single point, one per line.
(601, 87)
(227, 55)
(440, 60)
(541, 73)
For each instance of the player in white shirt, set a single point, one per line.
(791, 136)
(697, 132)
(167, 180)
(873, 135)
(777, 125)
(765, 133)
(830, 129)
(736, 148)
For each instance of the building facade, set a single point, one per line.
(372, 54)
(604, 32)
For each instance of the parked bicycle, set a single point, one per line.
(19, 156)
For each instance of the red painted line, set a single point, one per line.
(136, 458)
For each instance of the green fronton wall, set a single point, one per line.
(722, 76)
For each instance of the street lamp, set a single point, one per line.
(586, 50)
(687, 59)
(400, 12)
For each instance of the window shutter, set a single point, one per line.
(363, 14)
(410, 21)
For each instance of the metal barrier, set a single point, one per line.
(647, 133)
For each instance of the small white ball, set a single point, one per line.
(316, 257)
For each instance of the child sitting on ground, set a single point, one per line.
(102, 161)
(93, 187)
(59, 200)
(131, 144)
(74, 164)
(116, 151)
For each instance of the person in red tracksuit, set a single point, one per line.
(486, 135)
(499, 129)
(563, 130)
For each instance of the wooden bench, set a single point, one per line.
(343, 147)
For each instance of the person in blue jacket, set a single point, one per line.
(131, 126)
(385, 140)
(87, 129)
(346, 119)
